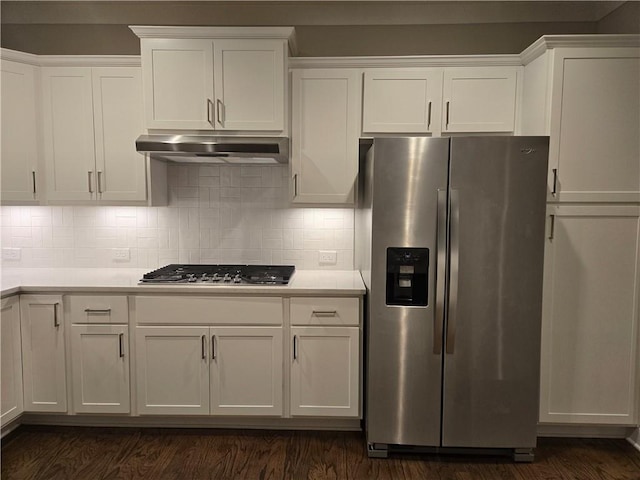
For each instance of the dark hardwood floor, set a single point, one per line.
(130, 453)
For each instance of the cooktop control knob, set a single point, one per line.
(227, 277)
(237, 278)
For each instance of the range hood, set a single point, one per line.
(214, 149)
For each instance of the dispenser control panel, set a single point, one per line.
(407, 276)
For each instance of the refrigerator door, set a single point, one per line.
(492, 336)
(408, 196)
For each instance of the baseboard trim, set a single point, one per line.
(10, 427)
(584, 431)
(634, 439)
(336, 424)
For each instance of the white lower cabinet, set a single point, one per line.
(11, 358)
(325, 371)
(203, 370)
(590, 316)
(100, 368)
(43, 353)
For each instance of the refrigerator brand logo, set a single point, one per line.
(527, 150)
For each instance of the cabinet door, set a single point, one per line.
(177, 78)
(117, 105)
(100, 366)
(402, 101)
(595, 120)
(325, 371)
(68, 133)
(325, 133)
(479, 99)
(19, 132)
(11, 357)
(590, 316)
(249, 84)
(43, 356)
(246, 371)
(172, 370)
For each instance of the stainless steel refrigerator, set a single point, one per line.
(450, 240)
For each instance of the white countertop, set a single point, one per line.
(125, 280)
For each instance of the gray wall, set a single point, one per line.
(322, 28)
(625, 19)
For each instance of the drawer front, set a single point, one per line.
(325, 311)
(208, 310)
(98, 308)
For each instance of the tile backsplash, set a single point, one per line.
(216, 214)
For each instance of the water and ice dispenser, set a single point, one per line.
(407, 276)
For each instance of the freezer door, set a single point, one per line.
(492, 336)
(404, 334)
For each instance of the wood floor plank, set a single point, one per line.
(166, 454)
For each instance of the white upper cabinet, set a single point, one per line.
(479, 99)
(587, 99)
(20, 140)
(402, 100)
(249, 84)
(178, 83)
(210, 78)
(92, 117)
(325, 132)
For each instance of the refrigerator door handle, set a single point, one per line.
(441, 265)
(453, 271)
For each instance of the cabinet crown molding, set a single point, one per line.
(70, 60)
(21, 57)
(547, 42)
(413, 61)
(272, 33)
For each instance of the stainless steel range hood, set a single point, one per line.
(214, 149)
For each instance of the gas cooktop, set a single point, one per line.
(221, 274)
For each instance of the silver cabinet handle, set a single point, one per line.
(209, 110)
(56, 321)
(555, 182)
(447, 115)
(441, 266)
(99, 181)
(295, 347)
(33, 179)
(552, 229)
(89, 173)
(121, 344)
(213, 347)
(204, 346)
(97, 310)
(454, 242)
(219, 111)
(325, 313)
(295, 185)
(429, 115)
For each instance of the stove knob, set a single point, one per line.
(237, 279)
(192, 278)
(227, 278)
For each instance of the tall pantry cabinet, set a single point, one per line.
(583, 91)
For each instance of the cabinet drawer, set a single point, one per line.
(209, 310)
(98, 309)
(325, 311)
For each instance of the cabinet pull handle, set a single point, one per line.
(219, 110)
(99, 181)
(447, 117)
(209, 109)
(56, 321)
(204, 346)
(552, 230)
(89, 173)
(429, 115)
(324, 313)
(213, 347)
(121, 344)
(33, 179)
(555, 182)
(295, 347)
(97, 310)
(295, 185)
